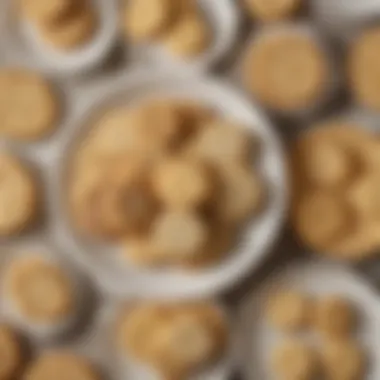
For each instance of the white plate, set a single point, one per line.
(22, 41)
(260, 234)
(257, 339)
(224, 20)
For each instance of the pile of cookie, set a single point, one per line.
(63, 24)
(177, 340)
(171, 181)
(179, 26)
(333, 319)
(266, 11)
(335, 210)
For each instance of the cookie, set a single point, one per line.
(288, 310)
(334, 317)
(189, 37)
(287, 71)
(75, 32)
(10, 353)
(29, 107)
(39, 290)
(46, 11)
(220, 142)
(144, 20)
(364, 68)
(320, 219)
(65, 365)
(182, 184)
(294, 360)
(242, 193)
(272, 10)
(343, 360)
(18, 197)
(177, 236)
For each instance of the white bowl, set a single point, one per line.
(260, 234)
(22, 40)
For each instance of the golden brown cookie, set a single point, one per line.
(62, 366)
(47, 11)
(18, 196)
(364, 68)
(73, 33)
(288, 310)
(143, 20)
(334, 317)
(286, 71)
(294, 360)
(39, 290)
(182, 184)
(10, 353)
(343, 360)
(29, 107)
(272, 10)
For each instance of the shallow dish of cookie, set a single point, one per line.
(24, 41)
(181, 49)
(261, 342)
(103, 260)
(30, 270)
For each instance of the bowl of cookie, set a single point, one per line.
(171, 180)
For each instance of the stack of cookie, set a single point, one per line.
(176, 340)
(179, 26)
(334, 320)
(172, 181)
(63, 24)
(335, 210)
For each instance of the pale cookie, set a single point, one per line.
(220, 142)
(189, 37)
(294, 360)
(29, 107)
(364, 68)
(61, 365)
(242, 193)
(272, 10)
(46, 11)
(287, 71)
(144, 20)
(343, 360)
(75, 32)
(334, 317)
(18, 196)
(320, 219)
(182, 184)
(288, 310)
(10, 353)
(178, 236)
(39, 290)
(140, 251)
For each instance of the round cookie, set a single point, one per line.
(334, 317)
(272, 10)
(288, 310)
(343, 360)
(10, 353)
(76, 31)
(286, 71)
(294, 360)
(39, 290)
(144, 20)
(29, 107)
(320, 219)
(364, 68)
(182, 184)
(18, 197)
(46, 11)
(178, 236)
(61, 365)
(189, 37)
